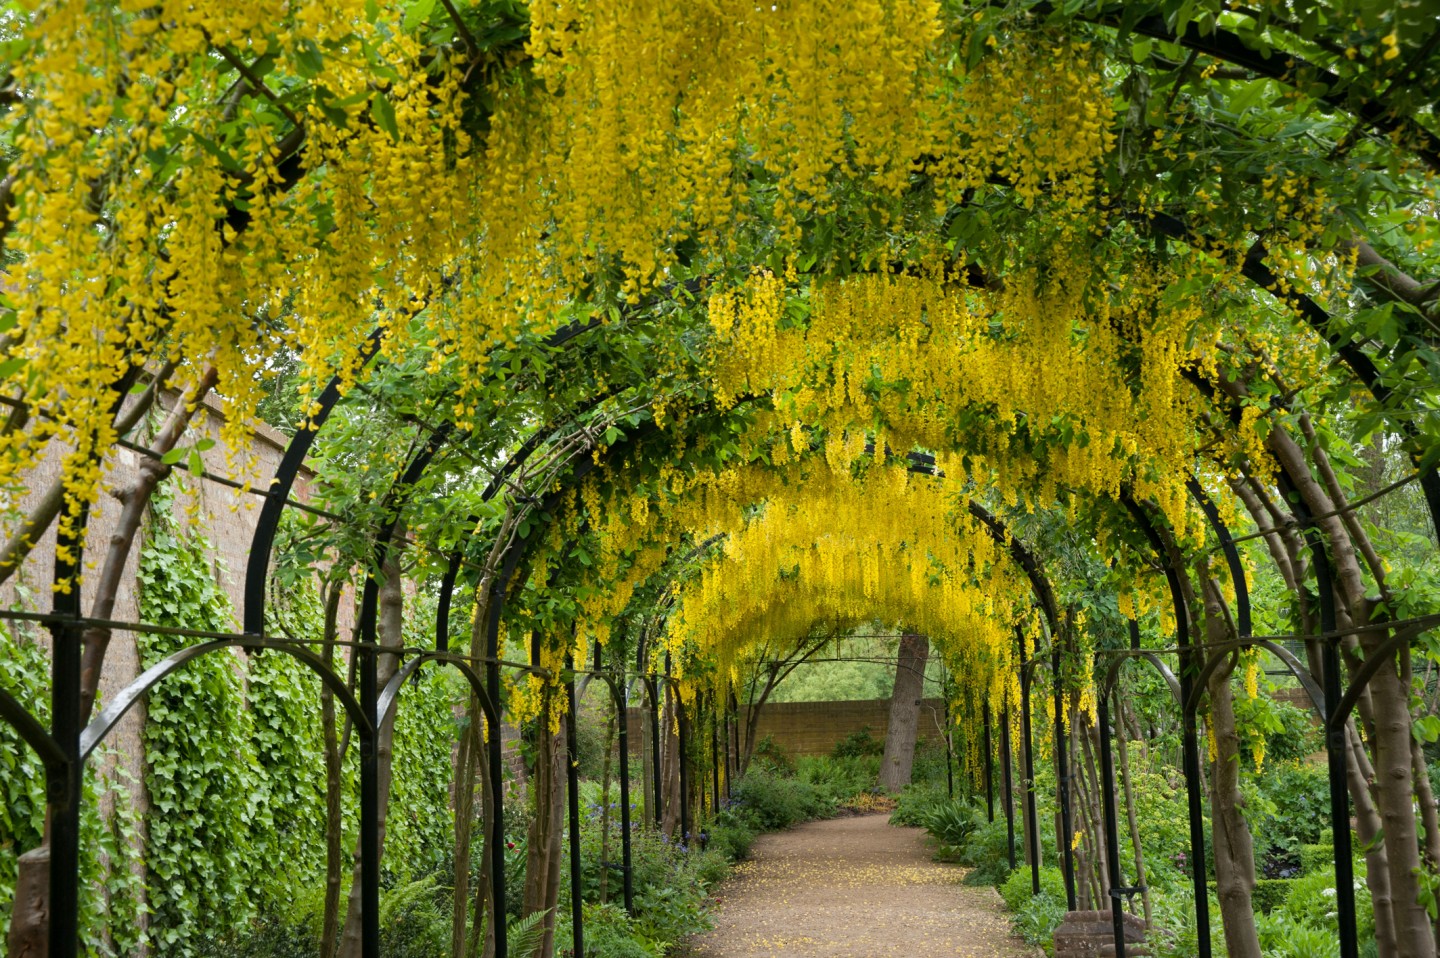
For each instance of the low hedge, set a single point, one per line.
(1314, 858)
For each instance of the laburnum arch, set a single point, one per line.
(1116, 259)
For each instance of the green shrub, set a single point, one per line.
(771, 756)
(953, 823)
(987, 852)
(1311, 902)
(1283, 937)
(857, 745)
(915, 803)
(1270, 893)
(609, 933)
(415, 920)
(837, 781)
(769, 802)
(731, 839)
(1036, 916)
(1317, 858)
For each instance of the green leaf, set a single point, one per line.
(418, 12)
(173, 456)
(309, 61)
(384, 113)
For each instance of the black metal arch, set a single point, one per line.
(104, 723)
(30, 730)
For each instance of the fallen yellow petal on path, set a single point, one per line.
(852, 888)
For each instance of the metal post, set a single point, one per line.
(652, 685)
(497, 765)
(1112, 829)
(1062, 777)
(1190, 666)
(1335, 744)
(684, 743)
(369, 776)
(989, 770)
(949, 756)
(1031, 820)
(63, 784)
(624, 724)
(1005, 780)
(572, 787)
(714, 764)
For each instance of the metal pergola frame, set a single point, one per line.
(66, 746)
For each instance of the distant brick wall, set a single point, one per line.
(814, 728)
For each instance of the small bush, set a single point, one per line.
(1311, 902)
(769, 802)
(858, 744)
(915, 803)
(731, 839)
(987, 852)
(953, 823)
(1270, 893)
(1282, 937)
(1036, 916)
(609, 933)
(1317, 858)
(770, 755)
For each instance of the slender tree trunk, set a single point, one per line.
(898, 761)
(543, 848)
(470, 755)
(391, 602)
(1131, 819)
(670, 765)
(1233, 844)
(485, 909)
(465, 760)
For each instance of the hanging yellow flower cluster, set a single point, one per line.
(1092, 378)
(142, 236)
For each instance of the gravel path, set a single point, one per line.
(854, 887)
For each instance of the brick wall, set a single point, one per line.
(226, 517)
(813, 728)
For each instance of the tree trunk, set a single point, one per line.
(899, 759)
(1130, 816)
(1233, 844)
(485, 908)
(391, 600)
(543, 848)
(30, 924)
(670, 766)
(470, 755)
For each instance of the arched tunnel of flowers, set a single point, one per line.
(650, 347)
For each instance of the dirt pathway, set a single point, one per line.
(854, 887)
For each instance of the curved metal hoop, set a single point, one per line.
(389, 696)
(30, 729)
(104, 723)
(1372, 666)
(1312, 689)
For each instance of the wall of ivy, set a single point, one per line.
(111, 893)
(234, 824)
